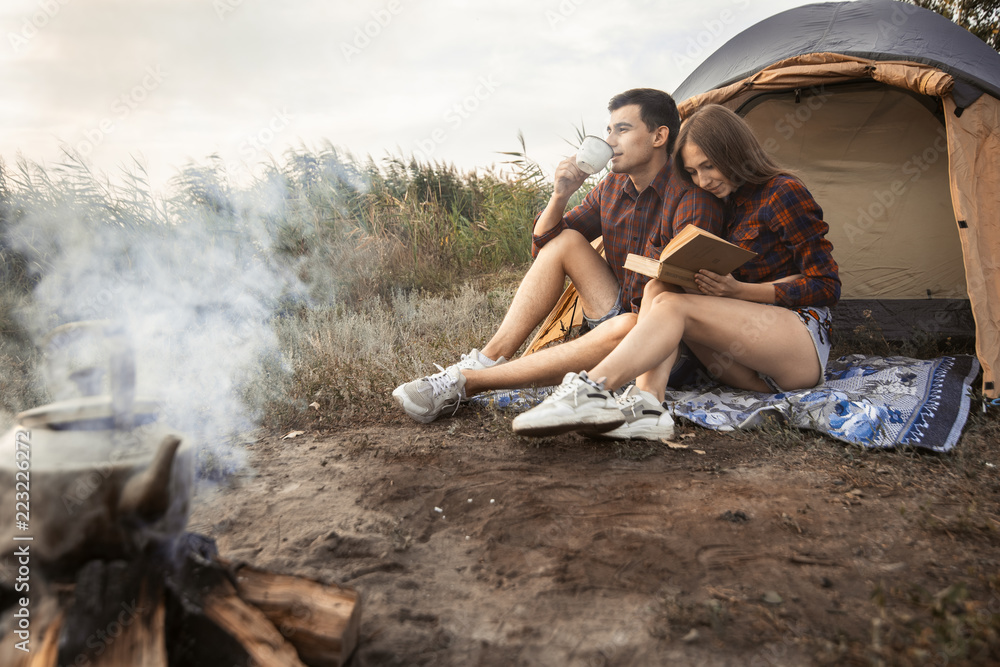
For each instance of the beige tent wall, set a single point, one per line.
(974, 143)
(974, 175)
(876, 160)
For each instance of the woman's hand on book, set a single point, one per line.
(714, 284)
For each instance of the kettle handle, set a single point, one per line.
(121, 361)
(122, 369)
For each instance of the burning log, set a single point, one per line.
(95, 566)
(205, 611)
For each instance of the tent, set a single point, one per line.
(890, 113)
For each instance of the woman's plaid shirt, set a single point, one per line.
(637, 222)
(783, 224)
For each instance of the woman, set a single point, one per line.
(765, 327)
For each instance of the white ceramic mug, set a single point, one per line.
(593, 154)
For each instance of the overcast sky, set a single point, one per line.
(168, 82)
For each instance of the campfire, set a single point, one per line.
(96, 567)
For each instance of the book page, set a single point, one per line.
(701, 250)
(687, 233)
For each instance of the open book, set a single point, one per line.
(691, 250)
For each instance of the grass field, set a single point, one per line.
(321, 283)
(297, 302)
(320, 279)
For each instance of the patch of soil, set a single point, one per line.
(471, 546)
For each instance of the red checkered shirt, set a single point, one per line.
(783, 224)
(637, 222)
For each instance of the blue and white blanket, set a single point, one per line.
(878, 402)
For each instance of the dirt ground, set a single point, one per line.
(471, 546)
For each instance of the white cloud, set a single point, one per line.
(373, 77)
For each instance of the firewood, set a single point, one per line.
(250, 627)
(320, 620)
(44, 641)
(141, 643)
(197, 609)
(116, 616)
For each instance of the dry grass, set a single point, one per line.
(343, 364)
(339, 257)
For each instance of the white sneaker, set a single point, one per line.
(645, 418)
(578, 404)
(426, 398)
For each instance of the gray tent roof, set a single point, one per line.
(871, 29)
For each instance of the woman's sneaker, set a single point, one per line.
(645, 418)
(424, 399)
(578, 404)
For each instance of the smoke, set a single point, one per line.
(193, 284)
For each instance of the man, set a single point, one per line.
(637, 208)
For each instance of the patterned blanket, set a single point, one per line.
(878, 402)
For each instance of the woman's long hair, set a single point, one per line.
(729, 143)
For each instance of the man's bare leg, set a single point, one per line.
(547, 367)
(569, 254)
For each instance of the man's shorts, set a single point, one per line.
(589, 323)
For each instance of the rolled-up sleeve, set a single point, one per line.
(584, 218)
(798, 220)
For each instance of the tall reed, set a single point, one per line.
(361, 238)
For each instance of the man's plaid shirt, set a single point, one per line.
(783, 224)
(637, 222)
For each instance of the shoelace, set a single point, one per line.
(628, 398)
(630, 401)
(440, 382)
(629, 404)
(571, 387)
(466, 362)
(562, 390)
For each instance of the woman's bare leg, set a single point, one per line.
(739, 337)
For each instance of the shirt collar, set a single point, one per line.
(741, 195)
(659, 183)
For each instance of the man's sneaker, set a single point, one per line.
(645, 418)
(578, 404)
(425, 399)
(474, 361)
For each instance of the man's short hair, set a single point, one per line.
(656, 108)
